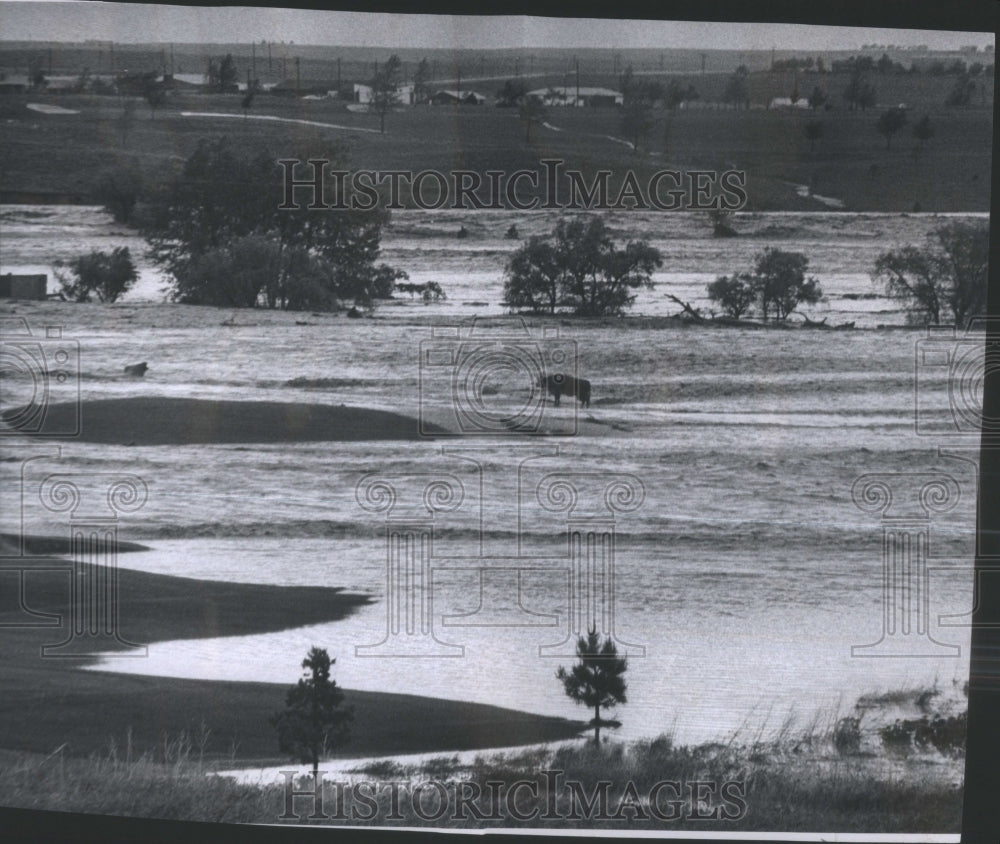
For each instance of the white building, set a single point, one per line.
(573, 96)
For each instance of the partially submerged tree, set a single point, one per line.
(118, 189)
(313, 720)
(947, 279)
(781, 283)
(777, 286)
(597, 680)
(106, 275)
(223, 209)
(579, 268)
(734, 294)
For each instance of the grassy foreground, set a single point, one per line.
(803, 783)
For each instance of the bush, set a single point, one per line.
(847, 735)
(105, 275)
(778, 285)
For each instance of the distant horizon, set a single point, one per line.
(79, 21)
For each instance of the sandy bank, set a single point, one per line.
(179, 421)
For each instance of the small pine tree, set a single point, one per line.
(597, 679)
(313, 719)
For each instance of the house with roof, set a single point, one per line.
(449, 97)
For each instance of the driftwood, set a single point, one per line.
(687, 309)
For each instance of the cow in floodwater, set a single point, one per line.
(560, 384)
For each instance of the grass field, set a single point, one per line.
(794, 784)
(64, 153)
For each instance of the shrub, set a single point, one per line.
(105, 275)
(847, 735)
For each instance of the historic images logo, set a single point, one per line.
(552, 187)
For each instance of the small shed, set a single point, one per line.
(23, 286)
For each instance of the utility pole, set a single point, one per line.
(703, 64)
(253, 59)
(577, 60)
(171, 59)
(298, 76)
(339, 81)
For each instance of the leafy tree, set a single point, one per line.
(313, 719)
(597, 679)
(532, 111)
(866, 97)
(222, 196)
(247, 102)
(106, 275)
(154, 93)
(421, 76)
(118, 189)
(923, 131)
(385, 88)
(859, 93)
(817, 99)
(580, 268)
(737, 90)
(813, 130)
(945, 279)
(961, 92)
(781, 284)
(512, 93)
(637, 106)
(222, 76)
(891, 121)
(735, 294)
(532, 277)
(126, 118)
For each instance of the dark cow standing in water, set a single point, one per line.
(566, 385)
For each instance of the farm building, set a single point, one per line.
(444, 97)
(365, 94)
(786, 102)
(573, 96)
(23, 286)
(13, 84)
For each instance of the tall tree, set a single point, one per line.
(222, 196)
(813, 130)
(531, 111)
(947, 278)
(579, 268)
(737, 91)
(385, 88)
(313, 720)
(421, 76)
(597, 680)
(781, 283)
(889, 123)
